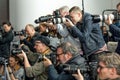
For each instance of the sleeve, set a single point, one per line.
(20, 75)
(8, 38)
(52, 73)
(35, 70)
(114, 29)
(29, 44)
(87, 28)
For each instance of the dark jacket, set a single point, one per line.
(30, 42)
(53, 75)
(116, 31)
(5, 43)
(89, 34)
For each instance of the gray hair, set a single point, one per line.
(64, 9)
(111, 59)
(68, 47)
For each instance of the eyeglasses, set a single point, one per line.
(59, 54)
(101, 67)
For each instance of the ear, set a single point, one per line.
(69, 55)
(113, 71)
(80, 14)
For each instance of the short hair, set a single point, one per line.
(7, 22)
(118, 5)
(111, 59)
(68, 47)
(30, 25)
(64, 8)
(75, 9)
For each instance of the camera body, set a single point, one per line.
(3, 60)
(17, 50)
(84, 68)
(55, 18)
(51, 56)
(18, 33)
(72, 69)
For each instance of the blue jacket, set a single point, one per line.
(77, 60)
(89, 34)
(116, 30)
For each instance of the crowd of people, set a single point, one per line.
(72, 50)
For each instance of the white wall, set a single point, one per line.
(23, 12)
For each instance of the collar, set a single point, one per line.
(46, 51)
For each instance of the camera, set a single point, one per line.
(55, 18)
(16, 51)
(51, 56)
(98, 18)
(3, 60)
(17, 33)
(71, 69)
(86, 67)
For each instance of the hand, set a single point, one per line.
(22, 37)
(22, 55)
(68, 23)
(78, 76)
(109, 20)
(47, 62)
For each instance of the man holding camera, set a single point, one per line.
(114, 29)
(67, 55)
(116, 22)
(6, 37)
(38, 70)
(89, 34)
(31, 34)
(108, 68)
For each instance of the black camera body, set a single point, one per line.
(16, 51)
(3, 60)
(51, 56)
(18, 33)
(72, 68)
(55, 18)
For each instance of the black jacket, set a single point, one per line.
(30, 43)
(5, 44)
(77, 60)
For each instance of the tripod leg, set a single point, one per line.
(7, 76)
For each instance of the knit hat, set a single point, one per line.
(43, 39)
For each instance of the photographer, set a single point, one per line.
(38, 70)
(67, 54)
(6, 37)
(15, 68)
(114, 29)
(89, 34)
(109, 66)
(63, 31)
(31, 34)
(115, 36)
